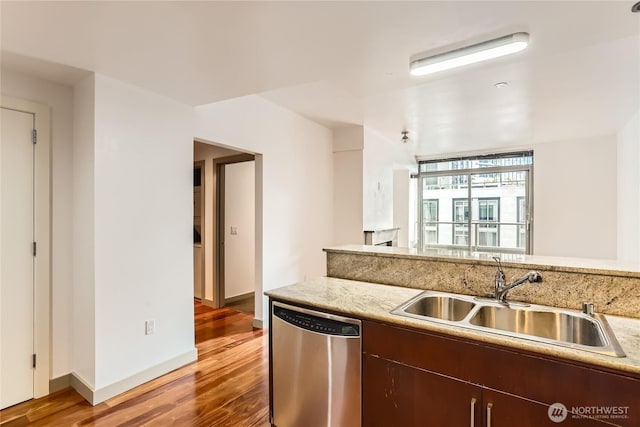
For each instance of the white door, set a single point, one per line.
(16, 257)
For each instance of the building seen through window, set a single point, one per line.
(479, 203)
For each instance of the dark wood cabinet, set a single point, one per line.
(506, 410)
(418, 378)
(401, 395)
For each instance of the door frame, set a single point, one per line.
(220, 164)
(42, 232)
(203, 255)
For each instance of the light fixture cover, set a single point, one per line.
(470, 54)
(405, 136)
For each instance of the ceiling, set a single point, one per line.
(346, 63)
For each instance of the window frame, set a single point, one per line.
(522, 215)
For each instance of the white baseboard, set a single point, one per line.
(257, 323)
(84, 389)
(248, 295)
(60, 383)
(100, 395)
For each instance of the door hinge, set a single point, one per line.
(34, 360)
(34, 248)
(35, 135)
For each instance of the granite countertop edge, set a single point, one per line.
(374, 301)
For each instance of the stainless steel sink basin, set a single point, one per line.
(550, 325)
(553, 325)
(441, 307)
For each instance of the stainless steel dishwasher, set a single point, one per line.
(316, 368)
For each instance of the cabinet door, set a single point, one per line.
(532, 377)
(398, 395)
(506, 410)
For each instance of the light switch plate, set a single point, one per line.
(149, 327)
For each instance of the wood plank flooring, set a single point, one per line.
(227, 386)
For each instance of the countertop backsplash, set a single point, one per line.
(613, 288)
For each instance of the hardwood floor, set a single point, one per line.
(227, 386)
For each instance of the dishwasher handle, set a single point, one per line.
(324, 324)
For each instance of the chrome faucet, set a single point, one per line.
(501, 287)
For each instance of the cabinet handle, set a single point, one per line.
(473, 412)
(489, 406)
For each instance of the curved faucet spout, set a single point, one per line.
(502, 288)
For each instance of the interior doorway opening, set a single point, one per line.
(198, 228)
(235, 239)
(226, 257)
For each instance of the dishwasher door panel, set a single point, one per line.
(316, 375)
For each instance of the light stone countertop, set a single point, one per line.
(375, 302)
(565, 264)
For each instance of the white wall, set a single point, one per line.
(575, 198)
(60, 100)
(348, 216)
(413, 213)
(143, 230)
(239, 214)
(293, 185)
(207, 153)
(629, 190)
(83, 298)
(371, 185)
(401, 205)
(381, 157)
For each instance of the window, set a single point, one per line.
(461, 221)
(479, 203)
(430, 220)
(488, 219)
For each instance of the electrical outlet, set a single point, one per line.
(234, 230)
(149, 327)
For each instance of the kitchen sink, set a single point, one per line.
(440, 307)
(567, 328)
(553, 325)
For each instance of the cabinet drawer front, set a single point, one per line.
(523, 374)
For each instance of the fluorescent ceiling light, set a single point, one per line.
(470, 54)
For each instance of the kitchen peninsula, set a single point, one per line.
(479, 375)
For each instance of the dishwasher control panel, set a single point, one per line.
(315, 323)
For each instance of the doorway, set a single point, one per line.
(198, 228)
(235, 221)
(222, 266)
(24, 253)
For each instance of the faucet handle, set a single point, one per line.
(534, 277)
